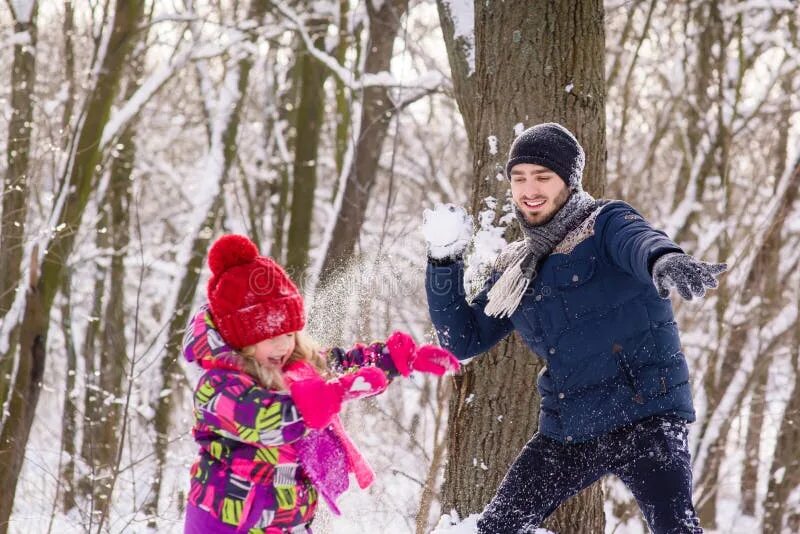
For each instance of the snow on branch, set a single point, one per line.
(751, 249)
(18, 39)
(787, 68)
(220, 106)
(135, 103)
(689, 204)
(156, 81)
(462, 14)
(428, 83)
(348, 78)
(171, 17)
(738, 385)
(22, 10)
(775, 6)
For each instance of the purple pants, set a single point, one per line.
(199, 521)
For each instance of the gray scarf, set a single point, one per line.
(520, 259)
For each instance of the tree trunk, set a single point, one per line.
(69, 67)
(752, 447)
(437, 457)
(705, 16)
(40, 297)
(15, 187)
(279, 189)
(105, 347)
(342, 103)
(170, 372)
(768, 265)
(784, 475)
(113, 362)
(709, 478)
(285, 125)
(23, 396)
(376, 114)
(69, 418)
(309, 125)
(92, 400)
(534, 62)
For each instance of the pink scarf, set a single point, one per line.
(328, 455)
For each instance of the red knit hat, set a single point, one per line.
(251, 297)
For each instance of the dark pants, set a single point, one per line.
(651, 457)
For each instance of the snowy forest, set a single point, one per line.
(135, 132)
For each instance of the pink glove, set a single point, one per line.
(319, 401)
(316, 400)
(435, 360)
(408, 357)
(365, 382)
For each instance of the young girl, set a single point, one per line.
(266, 407)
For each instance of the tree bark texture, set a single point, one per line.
(534, 62)
(15, 186)
(309, 125)
(376, 114)
(41, 290)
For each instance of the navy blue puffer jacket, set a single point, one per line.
(610, 343)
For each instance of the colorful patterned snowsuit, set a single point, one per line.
(250, 473)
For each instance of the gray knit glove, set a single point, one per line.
(690, 276)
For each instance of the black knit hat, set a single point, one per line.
(552, 146)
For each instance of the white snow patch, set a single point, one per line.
(492, 140)
(569, 87)
(452, 524)
(487, 244)
(462, 13)
(379, 78)
(779, 473)
(518, 129)
(23, 10)
(19, 39)
(359, 384)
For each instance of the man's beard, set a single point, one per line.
(559, 202)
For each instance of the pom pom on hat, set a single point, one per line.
(229, 251)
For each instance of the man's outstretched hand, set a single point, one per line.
(690, 276)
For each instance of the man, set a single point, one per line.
(587, 289)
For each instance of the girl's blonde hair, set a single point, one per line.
(305, 349)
